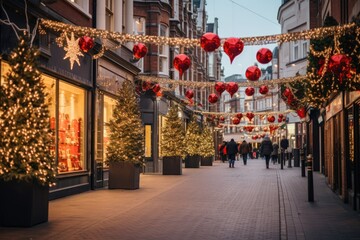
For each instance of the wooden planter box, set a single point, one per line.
(172, 165)
(23, 204)
(124, 175)
(192, 161)
(206, 161)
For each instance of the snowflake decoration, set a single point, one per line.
(72, 50)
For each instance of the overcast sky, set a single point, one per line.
(244, 18)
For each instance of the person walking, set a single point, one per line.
(222, 151)
(244, 151)
(274, 154)
(250, 151)
(284, 144)
(266, 149)
(232, 150)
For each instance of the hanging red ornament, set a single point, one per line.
(209, 42)
(189, 93)
(233, 47)
(250, 115)
(340, 65)
(265, 129)
(287, 92)
(264, 55)
(271, 118)
(239, 116)
(213, 98)
(254, 137)
(253, 73)
(86, 43)
(181, 63)
(279, 119)
(156, 88)
(146, 86)
(281, 115)
(222, 119)
(139, 50)
(263, 89)
(249, 129)
(284, 119)
(232, 88)
(249, 91)
(236, 121)
(220, 87)
(301, 112)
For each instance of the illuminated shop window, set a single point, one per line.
(109, 106)
(71, 134)
(148, 141)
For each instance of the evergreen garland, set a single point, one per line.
(26, 138)
(126, 142)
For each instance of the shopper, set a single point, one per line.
(275, 153)
(244, 151)
(266, 149)
(232, 150)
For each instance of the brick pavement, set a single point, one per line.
(217, 202)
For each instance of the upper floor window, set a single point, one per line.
(163, 51)
(109, 18)
(139, 26)
(295, 50)
(82, 4)
(176, 9)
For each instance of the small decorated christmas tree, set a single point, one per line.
(173, 135)
(193, 138)
(126, 129)
(207, 147)
(24, 121)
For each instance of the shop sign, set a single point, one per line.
(334, 107)
(351, 97)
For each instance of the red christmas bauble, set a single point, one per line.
(253, 73)
(301, 112)
(146, 86)
(86, 43)
(264, 55)
(209, 42)
(263, 89)
(239, 116)
(254, 137)
(220, 87)
(284, 119)
(213, 98)
(232, 88)
(222, 119)
(271, 119)
(250, 115)
(156, 88)
(279, 119)
(249, 91)
(340, 65)
(139, 50)
(287, 92)
(249, 129)
(233, 47)
(189, 94)
(281, 115)
(236, 120)
(181, 63)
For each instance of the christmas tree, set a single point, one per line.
(24, 120)
(173, 135)
(126, 129)
(207, 147)
(193, 138)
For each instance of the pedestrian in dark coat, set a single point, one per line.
(244, 151)
(274, 154)
(266, 149)
(232, 150)
(284, 144)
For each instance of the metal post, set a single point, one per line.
(310, 178)
(282, 156)
(302, 159)
(289, 159)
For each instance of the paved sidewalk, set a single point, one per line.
(217, 202)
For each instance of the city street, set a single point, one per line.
(217, 202)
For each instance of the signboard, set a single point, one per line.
(334, 107)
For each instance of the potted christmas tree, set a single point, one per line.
(27, 166)
(207, 148)
(125, 151)
(172, 143)
(193, 144)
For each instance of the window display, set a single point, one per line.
(109, 106)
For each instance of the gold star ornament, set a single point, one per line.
(72, 50)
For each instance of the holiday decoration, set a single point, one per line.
(220, 87)
(235, 120)
(209, 42)
(250, 116)
(232, 88)
(139, 50)
(263, 90)
(193, 138)
(254, 137)
(189, 93)
(271, 119)
(264, 55)
(221, 119)
(287, 92)
(181, 63)
(207, 145)
(233, 47)
(156, 88)
(281, 116)
(159, 94)
(253, 73)
(340, 65)
(86, 43)
(301, 112)
(239, 116)
(249, 91)
(146, 86)
(72, 50)
(279, 119)
(213, 98)
(249, 128)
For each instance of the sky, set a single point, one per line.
(244, 18)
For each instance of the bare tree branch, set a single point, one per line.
(33, 34)
(27, 19)
(13, 25)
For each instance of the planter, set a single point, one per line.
(172, 165)
(206, 161)
(124, 175)
(23, 204)
(192, 161)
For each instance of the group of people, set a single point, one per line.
(267, 149)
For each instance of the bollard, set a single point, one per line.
(289, 159)
(310, 179)
(302, 159)
(282, 155)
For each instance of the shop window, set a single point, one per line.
(50, 90)
(109, 106)
(71, 131)
(148, 131)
